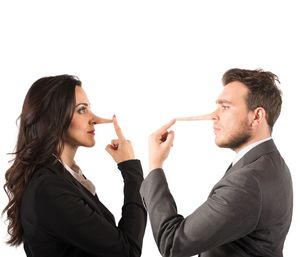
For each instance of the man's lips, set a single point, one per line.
(216, 129)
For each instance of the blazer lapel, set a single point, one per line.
(92, 200)
(255, 153)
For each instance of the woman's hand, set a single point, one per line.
(160, 143)
(120, 149)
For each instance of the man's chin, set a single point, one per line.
(221, 143)
(234, 144)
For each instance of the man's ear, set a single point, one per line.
(259, 116)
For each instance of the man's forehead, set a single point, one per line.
(232, 92)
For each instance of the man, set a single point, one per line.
(249, 211)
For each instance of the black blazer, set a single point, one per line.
(248, 212)
(61, 218)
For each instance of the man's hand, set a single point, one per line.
(160, 143)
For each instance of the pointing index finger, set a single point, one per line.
(118, 129)
(165, 127)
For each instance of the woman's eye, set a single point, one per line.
(82, 110)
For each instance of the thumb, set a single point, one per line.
(109, 148)
(170, 138)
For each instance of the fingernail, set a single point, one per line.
(114, 116)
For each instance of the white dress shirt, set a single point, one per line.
(77, 174)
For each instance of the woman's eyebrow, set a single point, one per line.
(85, 104)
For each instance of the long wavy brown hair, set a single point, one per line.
(46, 115)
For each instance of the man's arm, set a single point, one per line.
(230, 212)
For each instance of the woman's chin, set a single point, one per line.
(89, 144)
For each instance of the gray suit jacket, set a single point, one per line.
(248, 212)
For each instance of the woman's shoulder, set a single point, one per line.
(49, 181)
(51, 167)
(47, 173)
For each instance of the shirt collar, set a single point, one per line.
(242, 152)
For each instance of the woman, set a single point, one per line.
(53, 209)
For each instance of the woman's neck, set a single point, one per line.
(68, 154)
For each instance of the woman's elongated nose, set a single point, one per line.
(99, 120)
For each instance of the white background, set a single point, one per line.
(147, 62)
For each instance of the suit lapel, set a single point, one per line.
(255, 153)
(92, 200)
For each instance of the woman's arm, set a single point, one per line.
(62, 212)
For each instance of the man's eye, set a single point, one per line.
(225, 107)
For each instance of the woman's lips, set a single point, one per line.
(92, 132)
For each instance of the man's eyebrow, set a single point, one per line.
(223, 101)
